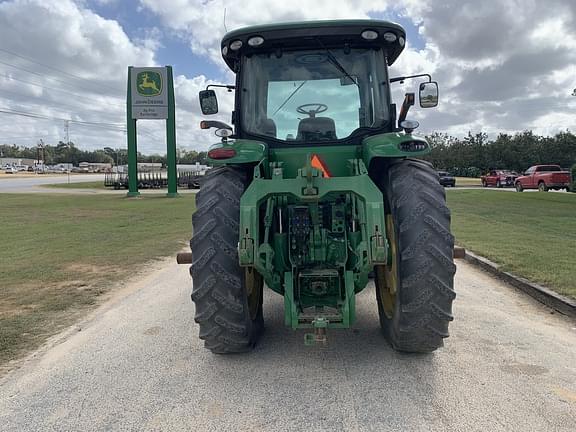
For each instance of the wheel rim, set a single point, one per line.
(387, 276)
(253, 282)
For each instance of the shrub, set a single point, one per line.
(465, 171)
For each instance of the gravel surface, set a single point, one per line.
(510, 365)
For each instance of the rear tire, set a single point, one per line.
(542, 187)
(519, 187)
(422, 264)
(228, 298)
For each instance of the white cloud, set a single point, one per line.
(38, 35)
(203, 21)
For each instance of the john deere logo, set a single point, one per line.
(149, 83)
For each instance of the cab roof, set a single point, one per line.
(307, 34)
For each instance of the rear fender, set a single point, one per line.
(247, 151)
(393, 145)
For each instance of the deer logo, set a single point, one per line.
(149, 83)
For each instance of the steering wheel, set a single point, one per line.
(320, 108)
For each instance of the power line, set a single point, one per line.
(112, 126)
(30, 136)
(53, 68)
(9, 77)
(116, 127)
(52, 104)
(50, 77)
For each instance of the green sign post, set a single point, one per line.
(150, 96)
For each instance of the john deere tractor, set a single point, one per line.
(317, 184)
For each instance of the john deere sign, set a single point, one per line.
(149, 83)
(149, 96)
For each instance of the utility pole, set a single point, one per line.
(40, 149)
(67, 138)
(67, 132)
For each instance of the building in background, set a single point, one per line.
(95, 166)
(17, 162)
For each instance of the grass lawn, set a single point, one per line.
(59, 253)
(78, 185)
(531, 234)
(468, 181)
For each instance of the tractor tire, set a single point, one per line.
(416, 290)
(228, 297)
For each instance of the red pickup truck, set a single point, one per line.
(499, 178)
(543, 178)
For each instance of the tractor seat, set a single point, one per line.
(316, 128)
(267, 127)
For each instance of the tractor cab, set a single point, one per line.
(313, 83)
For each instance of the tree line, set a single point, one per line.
(69, 153)
(475, 154)
(470, 156)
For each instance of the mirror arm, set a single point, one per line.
(402, 78)
(227, 87)
(408, 102)
(207, 124)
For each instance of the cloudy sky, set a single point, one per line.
(502, 65)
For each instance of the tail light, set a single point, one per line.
(222, 153)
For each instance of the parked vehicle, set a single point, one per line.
(446, 179)
(544, 178)
(499, 178)
(10, 170)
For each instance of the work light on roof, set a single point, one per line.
(369, 34)
(401, 41)
(255, 41)
(390, 37)
(224, 50)
(235, 45)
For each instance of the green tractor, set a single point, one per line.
(316, 186)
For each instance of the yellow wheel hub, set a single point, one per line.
(253, 282)
(387, 276)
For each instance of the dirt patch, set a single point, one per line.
(88, 268)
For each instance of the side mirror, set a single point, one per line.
(429, 94)
(208, 102)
